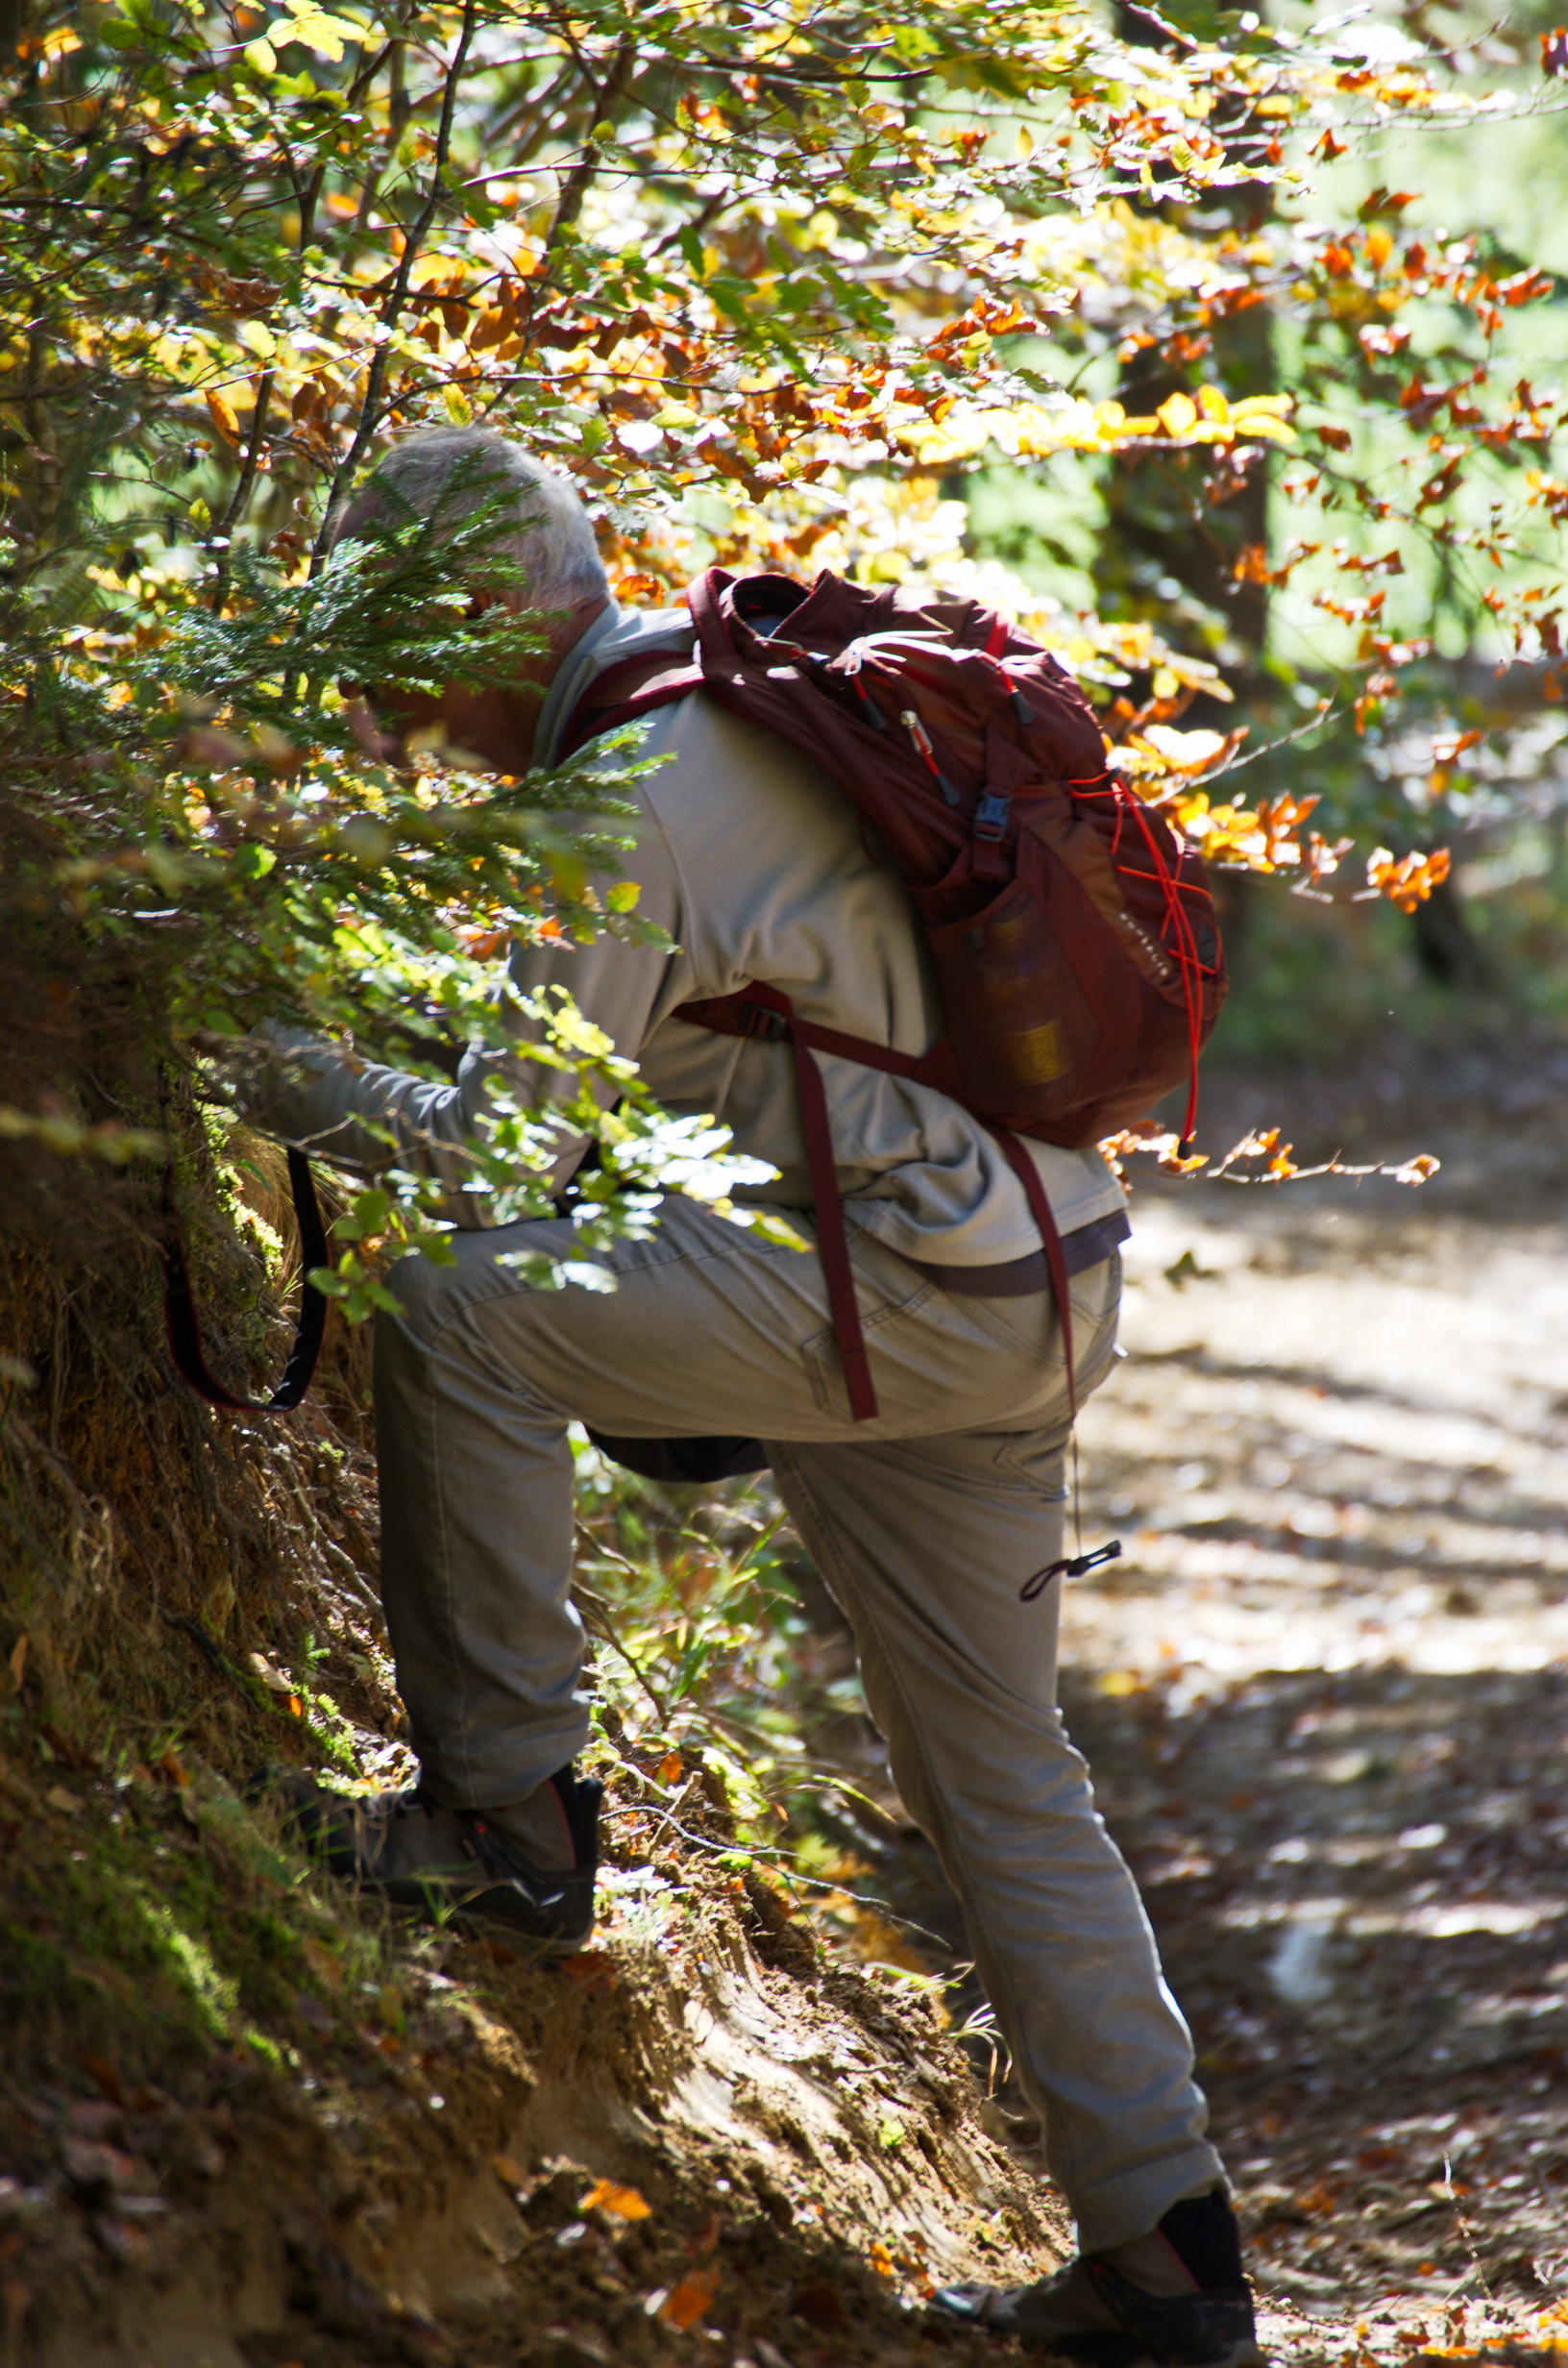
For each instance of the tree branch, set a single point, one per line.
(370, 409)
(222, 534)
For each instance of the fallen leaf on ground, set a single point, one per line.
(621, 2203)
(684, 2304)
(592, 1971)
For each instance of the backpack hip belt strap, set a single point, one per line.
(765, 1012)
(1019, 1278)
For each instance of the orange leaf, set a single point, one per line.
(592, 1971)
(621, 2203)
(670, 1767)
(483, 945)
(225, 418)
(684, 2304)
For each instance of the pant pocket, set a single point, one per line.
(886, 1326)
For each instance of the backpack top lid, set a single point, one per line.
(931, 691)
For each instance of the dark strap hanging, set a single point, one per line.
(763, 1011)
(179, 1307)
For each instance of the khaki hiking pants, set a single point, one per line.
(926, 1523)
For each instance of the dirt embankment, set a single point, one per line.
(669, 2148)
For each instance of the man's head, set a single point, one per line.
(443, 477)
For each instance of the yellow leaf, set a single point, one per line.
(1213, 403)
(225, 418)
(621, 2203)
(262, 54)
(1178, 414)
(1183, 752)
(316, 30)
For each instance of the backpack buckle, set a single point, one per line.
(991, 814)
(756, 1019)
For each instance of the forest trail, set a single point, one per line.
(1325, 1695)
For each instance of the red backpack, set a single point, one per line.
(1073, 933)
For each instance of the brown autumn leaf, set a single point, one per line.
(685, 2304)
(591, 1971)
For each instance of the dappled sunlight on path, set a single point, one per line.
(1326, 1700)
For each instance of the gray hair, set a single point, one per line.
(553, 543)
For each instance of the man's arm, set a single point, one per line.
(310, 1092)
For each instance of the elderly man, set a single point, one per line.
(925, 1521)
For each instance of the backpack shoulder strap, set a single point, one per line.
(631, 687)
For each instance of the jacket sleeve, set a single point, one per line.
(311, 1091)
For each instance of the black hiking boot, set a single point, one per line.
(528, 1868)
(1098, 2312)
